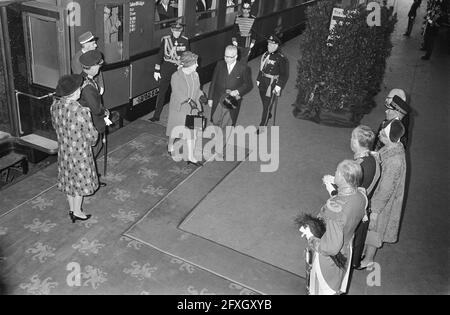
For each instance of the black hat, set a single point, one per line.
(177, 26)
(91, 58)
(395, 130)
(399, 105)
(230, 102)
(274, 39)
(68, 84)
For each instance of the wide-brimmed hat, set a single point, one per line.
(86, 38)
(188, 59)
(68, 84)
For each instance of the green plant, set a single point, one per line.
(341, 73)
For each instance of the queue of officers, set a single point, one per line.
(358, 221)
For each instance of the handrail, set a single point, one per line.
(17, 93)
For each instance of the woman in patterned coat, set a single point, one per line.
(387, 200)
(77, 175)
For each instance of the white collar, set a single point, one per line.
(231, 66)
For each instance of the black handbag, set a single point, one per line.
(197, 121)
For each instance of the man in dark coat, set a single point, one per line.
(412, 16)
(165, 11)
(230, 76)
(91, 62)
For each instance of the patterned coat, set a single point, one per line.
(387, 199)
(77, 174)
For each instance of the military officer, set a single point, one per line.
(171, 49)
(398, 109)
(243, 35)
(272, 76)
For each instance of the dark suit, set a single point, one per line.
(239, 79)
(164, 14)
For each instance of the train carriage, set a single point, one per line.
(39, 39)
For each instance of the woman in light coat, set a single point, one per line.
(387, 200)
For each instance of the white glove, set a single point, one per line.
(234, 93)
(107, 121)
(257, 83)
(252, 45)
(306, 232)
(235, 43)
(102, 90)
(277, 90)
(366, 218)
(210, 103)
(157, 76)
(328, 181)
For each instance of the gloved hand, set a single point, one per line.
(252, 45)
(234, 93)
(257, 83)
(235, 43)
(210, 103)
(102, 90)
(306, 232)
(157, 76)
(373, 221)
(277, 90)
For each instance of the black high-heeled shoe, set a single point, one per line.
(74, 218)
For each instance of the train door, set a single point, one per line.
(46, 58)
(112, 27)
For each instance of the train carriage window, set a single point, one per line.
(233, 6)
(113, 32)
(167, 12)
(43, 50)
(206, 9)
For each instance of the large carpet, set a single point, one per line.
(42, 252)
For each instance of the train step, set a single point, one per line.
(40, 143)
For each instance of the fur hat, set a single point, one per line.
(188, 59)
(68, 84)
